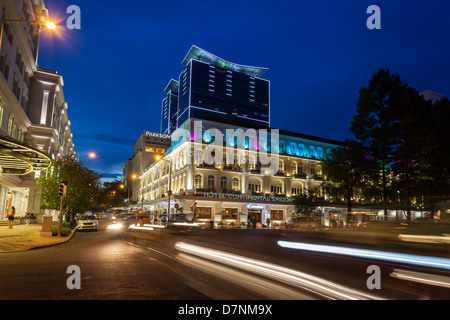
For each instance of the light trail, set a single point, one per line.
(426, 261)
(420, 277)
(287, 276)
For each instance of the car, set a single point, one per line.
(301, 222)
(88, 222)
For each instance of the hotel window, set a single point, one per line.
(1, 116)
(223, 183)
(276, 189)
(149, 149)
(281, 166)
(198, 157)
(198, 181)
(254, 187)
(294, 168)
(236, 184)
(10, 125)
(160, 150)
(210, 181)
(296, 191)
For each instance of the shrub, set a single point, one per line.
(64, 231)
(69, 224)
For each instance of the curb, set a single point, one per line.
(69, 237)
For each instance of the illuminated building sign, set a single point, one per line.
(235, 196)
(157, 135)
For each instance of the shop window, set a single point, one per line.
(276, 214)
(232, 213)
(203, 212)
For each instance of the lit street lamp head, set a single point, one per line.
(50, 25)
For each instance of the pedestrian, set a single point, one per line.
(10, 213)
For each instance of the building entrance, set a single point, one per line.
(256, 214)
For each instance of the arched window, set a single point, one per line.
(210, 181)
(223, 183)
(281, 166)
(236, 185)
(198, 181)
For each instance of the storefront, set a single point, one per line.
(226, 210)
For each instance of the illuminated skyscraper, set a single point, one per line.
(212, 88)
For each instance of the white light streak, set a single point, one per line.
(291, 277)
(430, 279)
(424, 238)
(427, 261)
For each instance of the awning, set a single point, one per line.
(17, 158)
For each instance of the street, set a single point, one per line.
(197, 264)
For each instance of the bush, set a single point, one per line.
(64, 231)
(69, 224)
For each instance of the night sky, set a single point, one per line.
(319, 54)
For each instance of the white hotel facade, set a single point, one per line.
(222, 95)
(34, 123)
(230, 193)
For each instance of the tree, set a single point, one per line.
(375, 123)
(82, 189)
(307, 203)
(344, 169)
(111, 194)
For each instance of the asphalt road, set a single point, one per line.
(175, 265)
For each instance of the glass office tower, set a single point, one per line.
(169, 108)
(212, 88)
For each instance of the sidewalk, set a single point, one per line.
(26, 237)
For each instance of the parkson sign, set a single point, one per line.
(253, 197)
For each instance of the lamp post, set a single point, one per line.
(48, 24)
(90, 155)
(169, 192)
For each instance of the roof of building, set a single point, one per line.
(201, 55)
(172, 86)
(432, 96)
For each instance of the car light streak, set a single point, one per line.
(427, 261)
(420, 277)
(190, 224)
(114, 226)
(424, 239)
(158, 226)
(288, 276)
(135, 227)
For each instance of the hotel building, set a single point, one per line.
(213, 96)
(34, 124)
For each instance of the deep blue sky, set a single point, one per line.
(319, 54)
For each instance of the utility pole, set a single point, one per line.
(62, 194)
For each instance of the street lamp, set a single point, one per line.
(48, 24)
(91, 155)
(169, 192)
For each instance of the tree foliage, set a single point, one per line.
(401, 149)
(82, 190)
